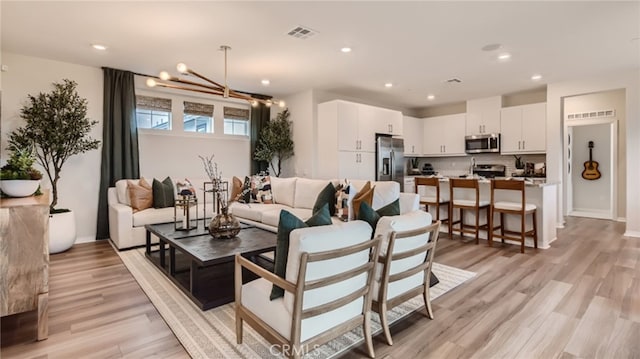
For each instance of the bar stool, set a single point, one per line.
(474, 205)
(437, 200)
(521, 208)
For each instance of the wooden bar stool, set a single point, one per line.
(437, 200)
(522, 209)
(474, 205)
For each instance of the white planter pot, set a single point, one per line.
(19, 188)
(62, 231)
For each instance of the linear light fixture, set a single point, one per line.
(212, 88)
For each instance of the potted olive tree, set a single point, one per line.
(275, 144)
(58, 128)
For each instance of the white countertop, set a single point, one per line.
(530, 182)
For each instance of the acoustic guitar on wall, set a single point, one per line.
(591, 167)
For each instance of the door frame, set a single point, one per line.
(613, 171)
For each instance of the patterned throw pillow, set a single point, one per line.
(261, 189)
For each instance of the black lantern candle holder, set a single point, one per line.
(182, 206)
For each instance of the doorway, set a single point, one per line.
(591, 168)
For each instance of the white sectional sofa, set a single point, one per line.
(126, 228)
(298, 195)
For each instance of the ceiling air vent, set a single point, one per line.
(301, 32)
(591, 114)
(454, 81)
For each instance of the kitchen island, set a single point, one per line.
(540, 192)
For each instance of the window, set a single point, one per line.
(236, 121)
(153, 112)
(198, 117)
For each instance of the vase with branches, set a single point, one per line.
(57, 127)
(275, 144)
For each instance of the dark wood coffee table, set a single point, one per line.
(203, 267)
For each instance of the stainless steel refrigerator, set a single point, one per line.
(390, 159)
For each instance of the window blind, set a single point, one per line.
(235, 113)
(198, 109)
(153, 103)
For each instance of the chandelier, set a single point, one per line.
(212, 88)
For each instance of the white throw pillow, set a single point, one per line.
(122, 192)
(307, 191)
(283, 190)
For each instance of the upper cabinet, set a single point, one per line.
(524, 129)
(483, 115)
(381, 120)
(346, 138)
(444, 135)
(413, 136)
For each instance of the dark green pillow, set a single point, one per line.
(163, 193)
(289, 222)
(392, 209)
(370, 216)
(326, 196)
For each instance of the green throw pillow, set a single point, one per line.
(326, 196)
(163, 193)
(289, 222)
(370, 216)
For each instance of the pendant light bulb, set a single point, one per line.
(164, 76)
(281, 103)
(182, 68)
(151, 83)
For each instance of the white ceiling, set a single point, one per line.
(414, 45)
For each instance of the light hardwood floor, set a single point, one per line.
(580, 298)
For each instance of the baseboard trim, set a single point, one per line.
(634, 234)
(85, 239)
(621, 219)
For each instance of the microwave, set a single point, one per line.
(487, 143)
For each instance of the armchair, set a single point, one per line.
(404, 268)
(327, 289)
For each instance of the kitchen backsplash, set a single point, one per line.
(456, 166)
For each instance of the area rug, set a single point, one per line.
(211, 334)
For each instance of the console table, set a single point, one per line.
(24, 257)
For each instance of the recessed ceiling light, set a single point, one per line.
(388, 84)
(431, 97)
(345, 49)
(536, 77)
(99, 47)
(504, 56)
(491, 47)
(265, 82)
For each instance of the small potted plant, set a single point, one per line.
(18, 178)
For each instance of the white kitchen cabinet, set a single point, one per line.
(524, 129)
(381, 120)
(483, 115)
(346, 136)
(356, 165)
(413, 136)
(444, 135)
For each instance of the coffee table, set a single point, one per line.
(203, 267)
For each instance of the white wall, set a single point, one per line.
(80, 176)
(591, 195)
(302, 109)
(629, 81)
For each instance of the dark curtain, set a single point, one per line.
(259, 118)
(120, 158)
